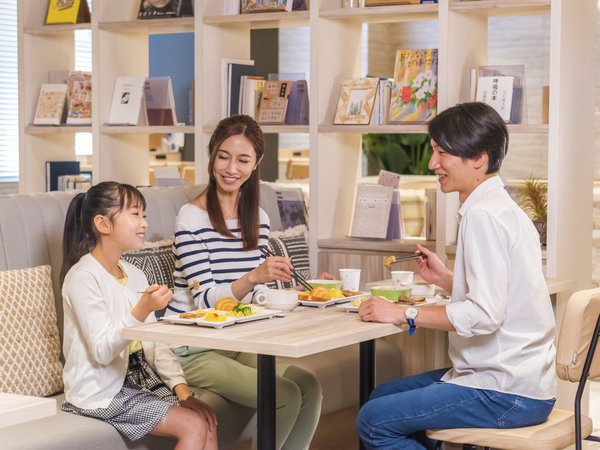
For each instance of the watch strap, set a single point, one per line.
(411, 323)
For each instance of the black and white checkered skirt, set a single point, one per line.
(143, 401)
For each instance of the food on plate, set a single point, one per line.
(320, 294)
(214, 316)
(193, 314)
(226, 304)
(357, 301)
(335, 293)
(350, 293)
(304, 296)
(404, 300)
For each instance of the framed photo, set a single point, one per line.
(356, 101)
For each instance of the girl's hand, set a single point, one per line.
(274, 268)
(154, 298)
(433, 270)
(325, 276)
(203, 409)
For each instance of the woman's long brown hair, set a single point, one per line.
(249, 198)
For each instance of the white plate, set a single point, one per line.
(200, 321)
(333, 301)
(428, 302)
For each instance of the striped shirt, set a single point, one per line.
(206, 262)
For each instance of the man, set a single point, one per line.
(500, 319)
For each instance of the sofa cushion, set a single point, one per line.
(156, 260)
(29, 344)
(291, 244)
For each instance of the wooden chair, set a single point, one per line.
(575, 356)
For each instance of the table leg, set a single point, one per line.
(266, 402)
(367, 373)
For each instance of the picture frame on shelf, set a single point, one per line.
(356, 101)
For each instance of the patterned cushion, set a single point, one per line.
(291, 244)
(29, 341)
(157, 262)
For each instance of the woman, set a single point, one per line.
(216, 247)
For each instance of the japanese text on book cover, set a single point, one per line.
(414, 91)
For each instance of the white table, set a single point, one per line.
(15, 408)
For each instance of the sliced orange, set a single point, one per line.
(226, 304)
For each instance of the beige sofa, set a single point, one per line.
(31, 235)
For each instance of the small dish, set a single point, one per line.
(391, 292)
(327, 284)
(422, 289)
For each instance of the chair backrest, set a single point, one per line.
(577, 329)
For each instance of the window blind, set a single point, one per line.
(9, 100)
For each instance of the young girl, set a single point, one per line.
(216, 248)
(106, 376)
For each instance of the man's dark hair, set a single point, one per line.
(470, 129)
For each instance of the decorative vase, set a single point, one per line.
(541, 229)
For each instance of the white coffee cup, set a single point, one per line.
(402, 277)
(281, 299)
(350, 279)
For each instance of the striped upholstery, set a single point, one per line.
(291, 244)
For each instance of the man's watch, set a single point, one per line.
(411, 314)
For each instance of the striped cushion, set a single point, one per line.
(157, 262)
(292, 246)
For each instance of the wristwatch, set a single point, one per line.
(411, 314)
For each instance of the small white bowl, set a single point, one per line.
(422, 289)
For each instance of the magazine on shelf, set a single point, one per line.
(372, 211)
(68, 11)
(152, 9)
(234, 78)
(414, 90)
(356, 100)
(297, 110)
(394, 2)
(160, 103)
(79, 100)
(51, 105)
(274, 102)
(128, 103)
(381, 107)
(250, 92)
(254, 6)
(503, 88)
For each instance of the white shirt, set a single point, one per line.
(96, 309)
(500, 306)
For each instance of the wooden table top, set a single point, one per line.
(302, 332)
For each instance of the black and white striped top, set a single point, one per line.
(206, 262)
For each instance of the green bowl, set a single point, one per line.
(327, 284)
(390, 292)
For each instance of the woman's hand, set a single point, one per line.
(433, 270)
(154, 298)
(201, 408)
(325, 276)
(378, 309)
(274, 268)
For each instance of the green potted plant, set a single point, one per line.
(533, 199)
(400, 153)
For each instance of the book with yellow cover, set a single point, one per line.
(68, 11)
(414, 89)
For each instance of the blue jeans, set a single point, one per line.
(398, 412)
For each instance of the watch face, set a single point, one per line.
(411, 312)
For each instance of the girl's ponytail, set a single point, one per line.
(76, 241)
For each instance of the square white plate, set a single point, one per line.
(333, 301)
(200, 321)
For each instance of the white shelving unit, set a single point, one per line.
(120, 47)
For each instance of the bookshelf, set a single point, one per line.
(120, 47)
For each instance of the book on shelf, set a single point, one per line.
(160, 103)
(381, 107)
(235, 74)
(393, 2)
(253, 6)
(274, 102)
(503, 88)
(128, 105)
(55, 169)
(152, 9)
(297, 109)
(242, 67)
(356, 100)
(79, 100)
(430, 213)
(68, 11)
(414, 89)
(372, 211)
(250, 92)
(74, 183)
(51, 105)
(387, 178)
(292, 207)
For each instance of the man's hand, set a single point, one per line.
(378, 309)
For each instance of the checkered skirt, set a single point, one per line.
(143, 401)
